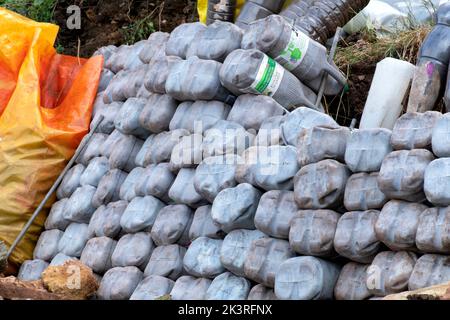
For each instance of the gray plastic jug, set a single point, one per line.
(355, 236)
(182, 190)
(430, 270)
(97, 254)
(321, 185)
(243, 111)
(190, 288)
(135, 80)
(264, 259)
(202, 258)
(152, 288)
(235, 208)
(306, 278)
(79, 208)
(55, 219)
(216, 41)
(105, 78)
(206, 86)
(402, 174)
(47, 245)
(312, 232)
(156, 181)
(109, 188)
(133, 250)
(270, 132)
(198, 116)
(31, 270)
(95, 171)
(295, 51)
(351, 283)
(127, 189)
(235, 248)
(187, 153)
(436, 183)
(60, 259)
(227, 286)
(124, 153)
(414, 130)
(251, 71)
(119, 283)
(389, 272)
(106, 220)
(155, 47)
(203, 225)
(158, 73)
(226, 137)
(440, 139)
(397, 224)
(303, 118)
(157, 113)
(319, 143)
(432, 235)
(92, 149)
(115, 138)
(181, 38)
(70, 182)
(159, 147)
(172, 225)
(367, 148)
(166, 261)
(260, 292)
(74, 239)
(269, 168)
(215, 174)
(127, 119)
(140, 214)
(109, 112)
(276, 210)
(362, 192)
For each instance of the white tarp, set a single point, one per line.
(389, 16)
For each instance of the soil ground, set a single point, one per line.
(104, 21)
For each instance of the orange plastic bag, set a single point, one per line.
(45, 109)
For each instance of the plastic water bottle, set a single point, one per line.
(295, 51)
(220, 10)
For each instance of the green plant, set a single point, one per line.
(138, 30)
(38, 10)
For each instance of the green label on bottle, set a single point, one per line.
(292, 56)
(268, 79)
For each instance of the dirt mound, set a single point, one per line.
(118, 22)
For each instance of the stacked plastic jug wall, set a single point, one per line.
(227, 187)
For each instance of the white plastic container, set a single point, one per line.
(388, 89)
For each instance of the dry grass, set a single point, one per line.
(357, 57)
(369, 49)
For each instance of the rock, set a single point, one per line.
(73, 279)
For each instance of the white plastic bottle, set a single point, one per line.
(386, 95)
